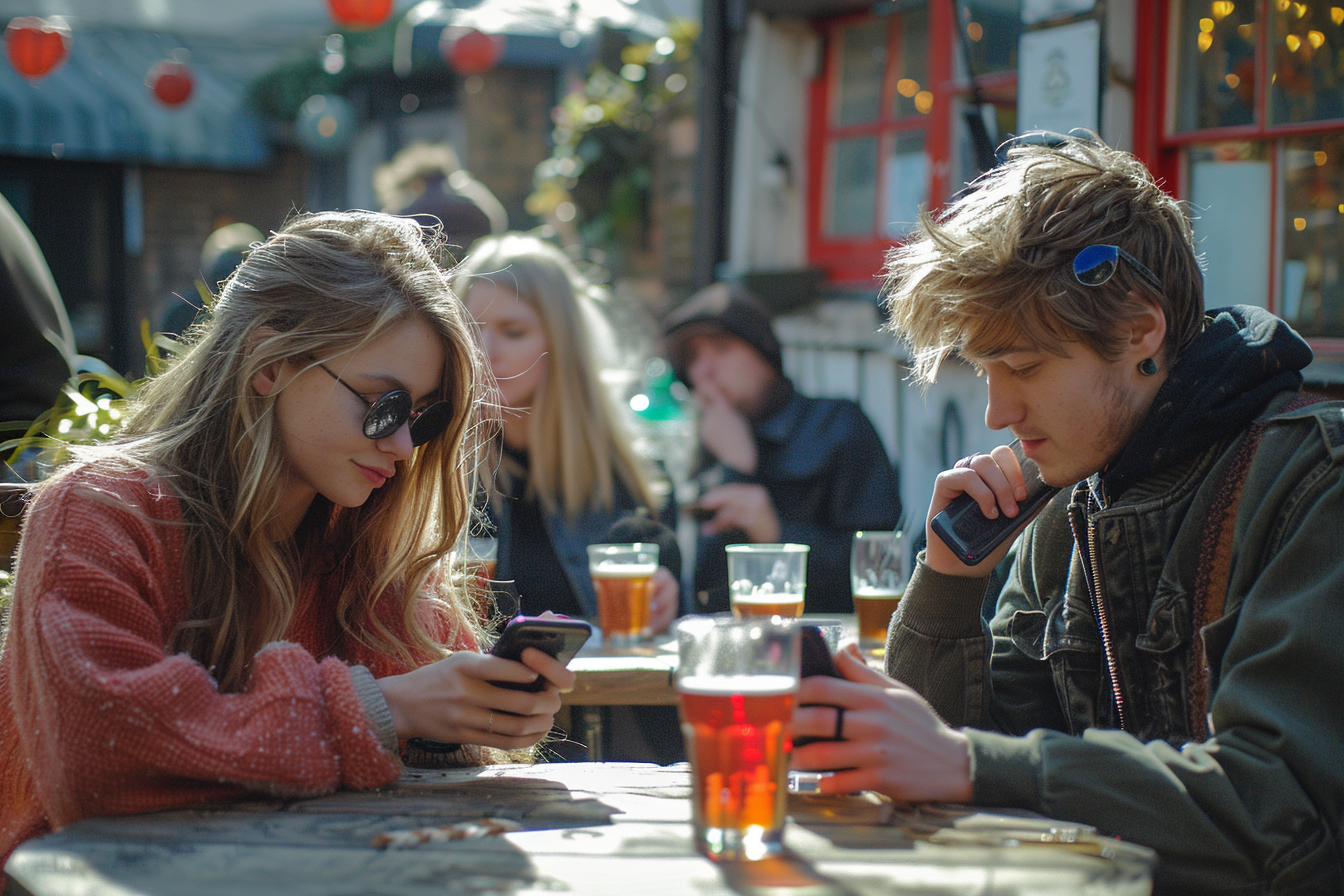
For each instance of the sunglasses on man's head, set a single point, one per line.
(390, 412)
(1096, 264)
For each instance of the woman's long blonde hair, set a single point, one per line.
(576, 441)
(323, 285)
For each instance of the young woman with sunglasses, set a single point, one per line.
(242, 593)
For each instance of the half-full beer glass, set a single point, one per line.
(879, 571)
(737, 680)
(767, 579)
(623, 579)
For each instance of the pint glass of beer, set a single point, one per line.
(736, 683)
(879, 570)
(767, 579)
(623, 579)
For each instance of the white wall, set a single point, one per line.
(766, 227)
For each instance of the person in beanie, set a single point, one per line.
(777, 466)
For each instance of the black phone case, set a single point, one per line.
(971, 535)
(561, 638)
(816, 659)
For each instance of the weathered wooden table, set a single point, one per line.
(593, 828)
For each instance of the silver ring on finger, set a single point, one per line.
(490, 724)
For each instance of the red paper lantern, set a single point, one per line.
(360, 13)
(468, 51)
(36, 46)
(171, 81)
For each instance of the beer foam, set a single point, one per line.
(731, 685)
(768, 597)
(871, 592)
(609, 570)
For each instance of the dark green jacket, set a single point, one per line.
(1254, 808)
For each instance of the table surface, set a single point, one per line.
(586, 828)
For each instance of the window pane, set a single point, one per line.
(1306, 44)
(853, 187)
(907, 184)
(1313, 238)
(1216, 60)
(992, 30)
(1231, 187)
(863, 57)
(913, 95)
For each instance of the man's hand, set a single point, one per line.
(724, 431)
(894, 743)
(740, 505)
(996, 482)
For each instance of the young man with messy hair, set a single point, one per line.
(1165, 656)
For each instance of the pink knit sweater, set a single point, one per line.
(96, 718)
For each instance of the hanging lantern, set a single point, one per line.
(360, 13)
(171, 82)
(325, 124)
(468, 51)
(37, 46)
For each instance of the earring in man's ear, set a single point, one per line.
(1148, 367)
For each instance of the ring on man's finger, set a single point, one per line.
(839, 723)
(965, 461)
(490, 724)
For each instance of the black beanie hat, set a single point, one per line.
(726, 308)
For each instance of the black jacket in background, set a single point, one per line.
(828, 475)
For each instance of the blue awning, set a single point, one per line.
(96, 106)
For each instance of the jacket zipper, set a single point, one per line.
(1092, 579)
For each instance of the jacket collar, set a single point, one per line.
(1220, 382)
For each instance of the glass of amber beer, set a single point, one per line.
(879, 570)
(767, 579)
(737, 680)
(623, 579)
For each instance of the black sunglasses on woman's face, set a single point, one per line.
(391, 411)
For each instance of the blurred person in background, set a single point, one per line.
(221, 254)
(778, 466)
(428, 179)
(568, 476)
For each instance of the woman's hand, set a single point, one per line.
(665, 601)
(453, 701)
(894, 743)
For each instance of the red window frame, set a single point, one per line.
(859, 259)
(1164, 150)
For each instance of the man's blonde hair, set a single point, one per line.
(995, 270)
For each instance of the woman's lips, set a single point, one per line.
(377, 477)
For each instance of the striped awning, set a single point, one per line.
(96, 105)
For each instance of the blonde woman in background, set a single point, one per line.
(241, 593)
(568, 476)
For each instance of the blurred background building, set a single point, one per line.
(787, 143)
